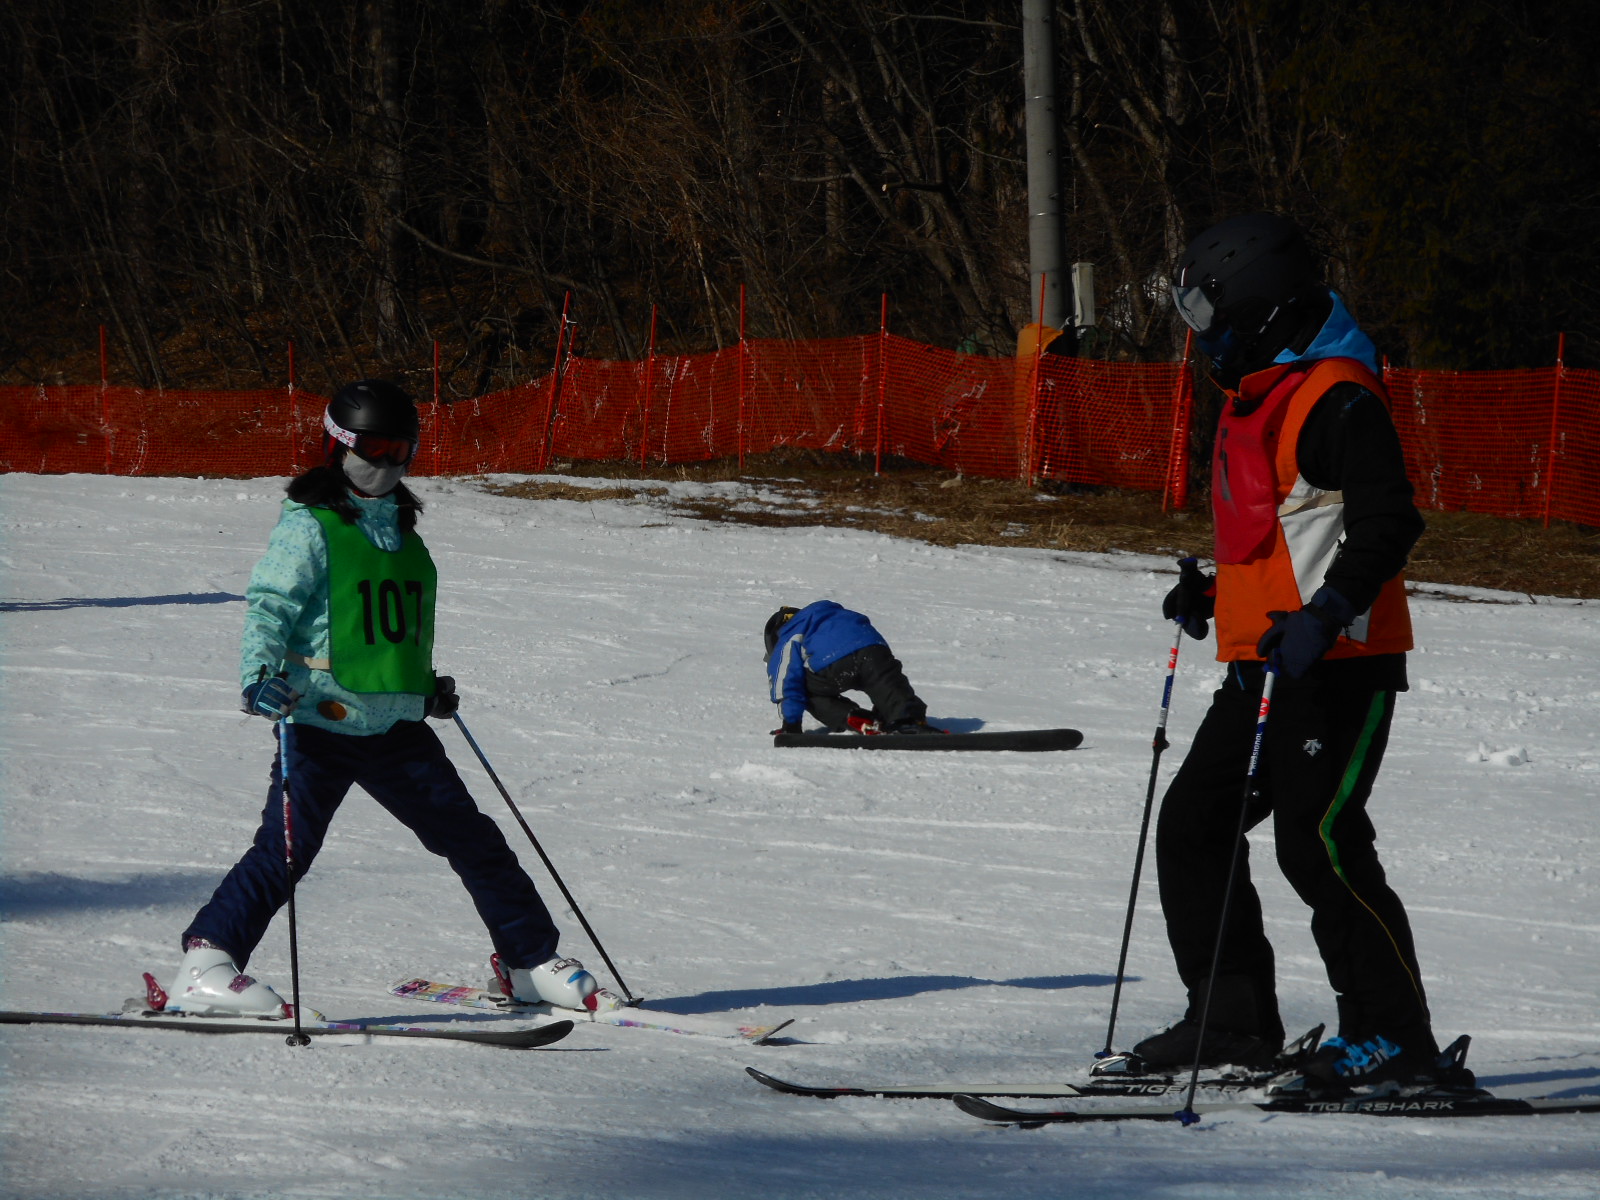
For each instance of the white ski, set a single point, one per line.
(627, 1018)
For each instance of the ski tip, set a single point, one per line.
(976, 1106)
(761, 1035)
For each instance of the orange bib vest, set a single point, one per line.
(1276, 535)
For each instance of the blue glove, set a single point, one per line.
(444, 701)
(1297, 640)
(1194, 601)
(269, 696)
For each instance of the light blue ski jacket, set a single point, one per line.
(286, 621)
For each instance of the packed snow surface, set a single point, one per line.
(920, 917)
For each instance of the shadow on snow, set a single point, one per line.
(117, 601)
(847, 991)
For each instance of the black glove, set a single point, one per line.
(1194, 601)
(787, 727)
(1297, 640)
(270, 696)
(444, 701)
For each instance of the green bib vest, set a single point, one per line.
(380, 610)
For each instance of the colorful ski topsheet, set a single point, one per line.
(517, 1039)
(466, 996)
(1426, 1104)
(1000, 739)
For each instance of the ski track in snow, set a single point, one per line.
(920, 916)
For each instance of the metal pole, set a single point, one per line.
(1046, 249)
(1269, 678)
(1157, 745)
(298, 1037)
(544, 858)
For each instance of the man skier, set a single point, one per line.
(338, 644)
(1314, 521)
(817, 653)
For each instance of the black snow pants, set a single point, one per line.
(873, 670)
(1325, 740)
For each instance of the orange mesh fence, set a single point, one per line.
(1507, 443)
(1503, 443)
(128, 431)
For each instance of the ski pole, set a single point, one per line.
(1269, 677)
(545, 858)
(1158, 744)
(298, 1037)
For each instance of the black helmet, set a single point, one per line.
(774, 623)
(375, 418)
(1241, 274)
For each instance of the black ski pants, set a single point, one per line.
(1325, 740)
(406, 771)
(873, 670)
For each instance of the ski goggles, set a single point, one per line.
(1197, 308)
(375, 448)
(1197, 305)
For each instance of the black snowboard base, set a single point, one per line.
(1017, 739)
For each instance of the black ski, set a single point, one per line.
(1148, 1086)
(1113, 1075)
(516, 1039)
(1472, 1103)
(1015, 739)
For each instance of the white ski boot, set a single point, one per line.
(210, 985)
(562, 982)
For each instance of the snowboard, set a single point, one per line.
(1002, 739)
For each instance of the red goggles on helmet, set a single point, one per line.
(374, 447)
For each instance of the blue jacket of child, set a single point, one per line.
(817, 635)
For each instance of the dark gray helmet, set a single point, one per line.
(1241, 274)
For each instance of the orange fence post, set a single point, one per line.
(743, 352)
(105, 407)
(883, 379)
(294, 419)
(555, 388)
(1177, 489)
(649, 392)
(435, 451)
(1555, 426)
(1033, 392)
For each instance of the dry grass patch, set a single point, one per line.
(797, 489)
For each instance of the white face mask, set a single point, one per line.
(375, 479)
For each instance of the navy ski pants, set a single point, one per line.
(407, 772)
